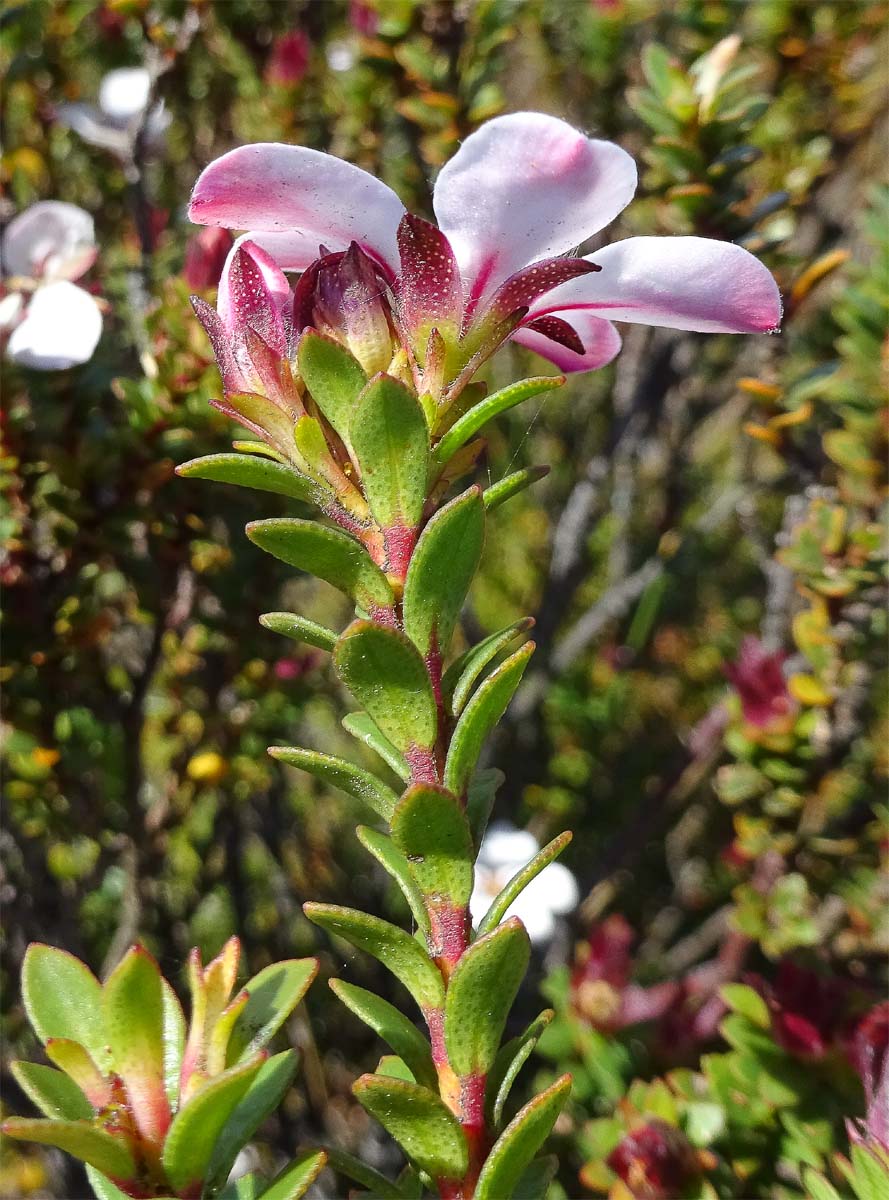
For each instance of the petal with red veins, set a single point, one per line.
(429, 288)
(252, 293)
(677, 282)
(527, 186)
(529, 284)
(270, 186)
(601, 342)
(559, 331)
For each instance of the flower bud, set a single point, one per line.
(656, 1161)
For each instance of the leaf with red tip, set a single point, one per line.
(75, 1061)
(430, 293)
(86, 1140)
(133, 1007)
(63, 999)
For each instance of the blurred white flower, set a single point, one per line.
(552, 893)
(52, 323)
(111, 125)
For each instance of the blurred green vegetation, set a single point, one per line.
(702, 489)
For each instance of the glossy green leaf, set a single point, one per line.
(392, 860)
(520, 1141)
(431, 830)
(327, 553)
(392, 1026)
(420, 1122)
(253, 446)
(521, 879)
(441, 570)
(480, 716)
(509, 1061)
(470, 423)
(85, 1140)
(273, 994)
(262, 1097)
(360, 725)
(62, 998)
(262, 414)
(358, 1171)
(391, 443)
(340, 774)
(300, 629)
(248, 470)
(504, 489)
(744, 1000)
(174, 1040)
(333, 376)
(102, 1186)
(387, 676)
(480, 995)
(133, 1008)
(394, 947)
(480, 796)
(77, 1063)
(459, 679)
(536, 1178)
(197, 1126)
(297, 1177)
(51, 1091)
(817, 1187)
(394, 1067)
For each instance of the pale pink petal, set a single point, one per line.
(600, 339)
(295, 251)
(525, 187)
(278, 188)
(51, 239)
(61, 328)
(677, 282)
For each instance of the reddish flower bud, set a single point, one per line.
(759, 681)
(656, 1161)
(870, 1055)
(205, 257)
(288, 60)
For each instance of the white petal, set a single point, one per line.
(11, 309)
(539, 921)
(61, 328)
(526, 187)
(600, 339)
(123, 93)
(94, 127)
(51, 239)
(506, 848)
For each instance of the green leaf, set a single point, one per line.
(247, 470)
(520, 1141)
(252, 446)
(77, 1063)
(333, 376)
(817, 1187)
(509, 1061)
(103, 1187)
(260, 1100)
(327, 553)
(441, 570)
(353, 1168)
(469, 424)
(536, 1178)
(480, 995)
(392, 860)
(394, 947)
(272, 995)
(85, 1140)
(262, 416)
(133, 1007)
(480, 797)
(510, 485)
(480, 716)
(420, 1122)
(744, 1000)
(459, 678)
(392, 1026)
(63, 998)
(360, 725)
(197, 1126)
(391, 443)
(386, 674)
(174, 1040)
(394, 1067)
(431, 830)
(870, 1176)
(52, 1091)
(297, 1177)
(340, 774)
(521, 879)
(300, 629)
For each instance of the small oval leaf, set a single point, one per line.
(431, 830)
(393, 947)
(520, 1141)
(459, 678)
(333, 376)
(86, 1140)
(51, 1091)
(420, 1122)
(470, 423)
(391, 443)
(392, 1026)
(272, 995)
(248, 470)
(63, 998)
(326, 553)
(300, 629)
(504, 489)
(480, 995)
(385, 673)
(340, 774)
(480, 716)
(441, 570)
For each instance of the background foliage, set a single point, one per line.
(702, 490)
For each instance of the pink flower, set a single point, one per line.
(519, 195)
(810, 1012)
(656, 1161)
(363, 17)
(289, 59)
(601, 992)
(870, 1054)
(759, 681)
(205, 258)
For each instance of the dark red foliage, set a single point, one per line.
(656, 1161)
